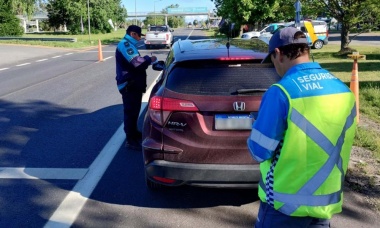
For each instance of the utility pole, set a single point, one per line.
(88, 18)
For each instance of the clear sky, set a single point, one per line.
(149, 5)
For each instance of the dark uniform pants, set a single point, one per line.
(132, 105)
(269, 217)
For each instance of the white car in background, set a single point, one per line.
(250, 35)
(159, 35)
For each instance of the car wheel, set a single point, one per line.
(152, 185)
(318, 44)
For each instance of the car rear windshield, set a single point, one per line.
(219, 78)
(158, 28)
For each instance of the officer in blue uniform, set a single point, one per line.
(302, 138)
(131, 82)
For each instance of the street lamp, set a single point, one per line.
(135, 14)
(155, 23)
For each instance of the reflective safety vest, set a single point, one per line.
(305, 176)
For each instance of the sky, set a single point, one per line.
(149, 5)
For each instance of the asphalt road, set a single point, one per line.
(357, 39)
(61, 147)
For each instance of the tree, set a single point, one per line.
(65, 13)
(69, 13)
(350, 13)
(21, 7)
(242, 12)
(9, 23)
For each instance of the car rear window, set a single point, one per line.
(221, 78)
(158, 28)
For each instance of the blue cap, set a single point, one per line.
(284, 37)
(136, 29)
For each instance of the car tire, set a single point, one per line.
(318, 44)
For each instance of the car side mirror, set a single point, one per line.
(159, 66)
(171, 30)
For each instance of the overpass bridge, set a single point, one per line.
(210, 15)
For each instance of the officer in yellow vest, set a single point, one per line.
(302, 137)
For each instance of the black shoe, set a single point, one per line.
(133, 145)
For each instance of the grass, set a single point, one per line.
(83, 40)
(340, 66)
(369, 87)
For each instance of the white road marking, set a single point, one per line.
(23, 64)
(4, 69)
(68, 53)
(42, 173)
(58, 56)
(189, 34)
(41, 60)
(107, 58)
(73, 203)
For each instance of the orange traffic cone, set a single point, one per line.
(100, 53)
(354, 86)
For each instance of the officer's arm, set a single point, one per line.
(269, 128)
(133, 57)
(141, 62)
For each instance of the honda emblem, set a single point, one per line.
(239, 106)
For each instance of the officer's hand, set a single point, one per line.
(153, 58)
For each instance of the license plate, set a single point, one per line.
(233, 121)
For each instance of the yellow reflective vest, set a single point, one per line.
(306, 175)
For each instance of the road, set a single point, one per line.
(364, 38)
(62, 162)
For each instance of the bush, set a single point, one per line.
(9, 24)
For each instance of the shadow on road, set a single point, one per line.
(39, 134)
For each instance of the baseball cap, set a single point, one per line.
(283, 37)
(136, 29)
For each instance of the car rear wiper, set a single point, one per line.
(242, 91)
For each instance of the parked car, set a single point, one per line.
(159, 35)
(317, 32)
(266, 30)
(200, 114)
(250, 35)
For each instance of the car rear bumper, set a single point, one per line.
(207, 175)
(155, 42)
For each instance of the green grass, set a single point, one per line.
(369, 87)
(83, 41)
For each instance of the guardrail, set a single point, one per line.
(40, 39)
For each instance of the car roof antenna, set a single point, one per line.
(228, 38)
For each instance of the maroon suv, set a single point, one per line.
(200, 114)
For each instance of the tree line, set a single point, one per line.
(69, 13)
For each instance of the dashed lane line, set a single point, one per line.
(41, 60)
(22, 64)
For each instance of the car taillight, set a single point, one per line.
(167, 36)
(161, 107)
(235, 58)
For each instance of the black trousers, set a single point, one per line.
(132, 106)
(268, 217)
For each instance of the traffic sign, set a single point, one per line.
(188, 10)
